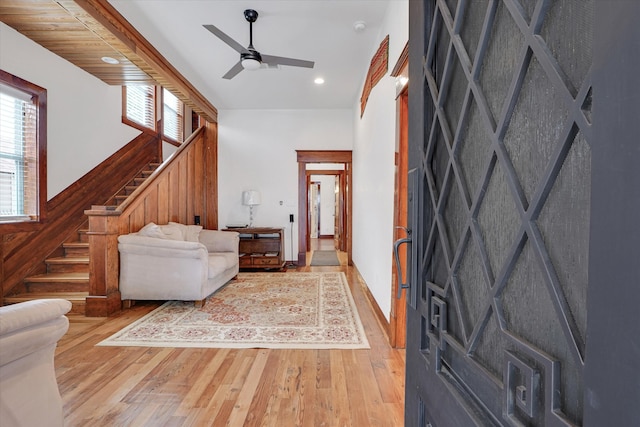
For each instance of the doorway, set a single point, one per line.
(343, 158)
(326, 211)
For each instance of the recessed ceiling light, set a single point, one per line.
(319, 81)
(110, 60)
(359, 26)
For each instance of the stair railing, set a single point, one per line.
(183, 187)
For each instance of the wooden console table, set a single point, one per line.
(261, 247)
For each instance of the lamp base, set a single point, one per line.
(251, 216)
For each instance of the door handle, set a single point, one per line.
(396, 253)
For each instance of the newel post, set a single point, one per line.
(104, 294)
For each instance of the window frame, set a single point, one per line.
(181, 114)
(39, 97)
(158, 115)
(126, 120)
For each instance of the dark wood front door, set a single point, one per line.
(524, 201)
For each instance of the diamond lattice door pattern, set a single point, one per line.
(505, 170)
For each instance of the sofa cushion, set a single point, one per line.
(152, 230)
(220, 261)
(219, 241)
(190, 233)
(172, 232)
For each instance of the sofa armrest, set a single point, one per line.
(220, 241)
(24, 315)
(30, 326)
(142, 245)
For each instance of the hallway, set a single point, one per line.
(325, 244)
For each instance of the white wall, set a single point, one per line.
(374, 170)
(168, 150)
(257, 151)
(84, 124)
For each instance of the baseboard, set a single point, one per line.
(325, 236)
(380, 317)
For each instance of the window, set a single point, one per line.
(140, 106)
(172, 117)
(22, 150)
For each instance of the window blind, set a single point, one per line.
(140, 105)
(18, 156)
(172, 116)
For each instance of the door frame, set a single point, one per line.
(398, 315)
(305, 157)
(341, 245)
(611, 361)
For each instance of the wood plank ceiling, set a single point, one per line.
(84, 31)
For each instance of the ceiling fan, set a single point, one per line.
(250, 58)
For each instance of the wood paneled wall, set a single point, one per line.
(23, 253)
(183, 187)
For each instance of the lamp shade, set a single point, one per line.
(251, 198)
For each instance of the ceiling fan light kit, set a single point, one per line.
(250, 58)
(250, 64)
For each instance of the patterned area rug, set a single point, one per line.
(258, 310)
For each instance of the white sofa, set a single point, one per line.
(29, 333)
(176, 262)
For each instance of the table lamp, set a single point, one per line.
(251, 198)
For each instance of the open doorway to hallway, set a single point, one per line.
(337, 163)
(324, 209)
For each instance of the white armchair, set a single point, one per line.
(179, 262)
(29, 333)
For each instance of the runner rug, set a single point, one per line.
(258, 310)
(324, 258)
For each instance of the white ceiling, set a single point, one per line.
(314, 30)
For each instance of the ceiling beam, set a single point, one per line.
(144, 55)
(84, 31)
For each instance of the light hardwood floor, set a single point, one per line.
(136, 386)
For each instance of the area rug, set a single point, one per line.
(258, 310)
(322, 258)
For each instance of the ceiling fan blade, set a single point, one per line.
(225, 38)
(279, 60)
(233, 71)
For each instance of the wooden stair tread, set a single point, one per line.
(58, 277)
(70, 296)
(68, 260)
(76, 245)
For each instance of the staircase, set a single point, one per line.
(67, 270)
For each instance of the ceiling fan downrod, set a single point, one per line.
(251, 16)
